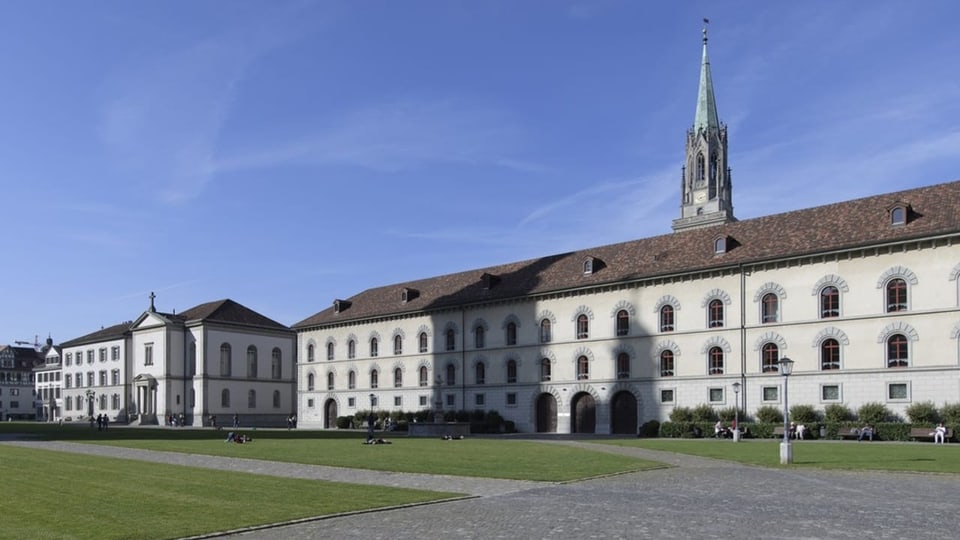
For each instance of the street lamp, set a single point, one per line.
(736, 412)
(786, 451)
(90, 395)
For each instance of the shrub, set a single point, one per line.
(950, 414)
(343, 422)
(873, 413)
(804, 414)
(923, 412)
(729, 414)
(768, 414)
(650, 428)
(681, 414)
(835, 413)
(704, 413)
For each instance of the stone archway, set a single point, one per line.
(583, 413)
(546, 413)
(330, 414)
(623, 413)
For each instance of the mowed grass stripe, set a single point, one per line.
(97, 497)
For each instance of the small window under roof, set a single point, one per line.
(720, 245)
(340, 305)
(407, 294)
(899, 213)
(488, 281)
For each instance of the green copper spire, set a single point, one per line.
(706, 103)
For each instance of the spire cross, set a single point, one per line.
(706, 22)
(152, 296)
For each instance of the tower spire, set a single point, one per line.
(705, 189)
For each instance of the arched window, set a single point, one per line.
(424, 376)
(546, 333)
(583, 368)
(310, 381)
(715, 313)
(276, 363)
(252, 399)
(769, 308)
(224, 398)
(310, 355)
(715, 359)
(374, 347)
(330, 381)
(769, 358)
(192, 365)
(481, 373)
(451, 375)
(478, 337)
(374, 378)
(666, 364)
(225, 360)
(251, 362)
(351, 349)
(829, 354)
(896, 295)
(583, 326)
(701, 169)
(451, 339)
(398, 344)
(422, 339)
(897, 351)
(511, 333)
(623, 322)
(397, 378)
(511, 371)
(276, 399)
(623, 366)
(352, 380)
(666, 319)
(829, 302)
(545, 369)
(330, 348)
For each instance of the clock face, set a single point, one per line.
(700, 197)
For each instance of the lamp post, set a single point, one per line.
(736, 412)
(786, 451)
(90, 395)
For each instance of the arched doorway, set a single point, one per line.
(623, 413)
(330, 414)
(584, 413)
(546, 413)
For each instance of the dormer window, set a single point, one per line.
(592, 265)
(488, 281)
(340, 305)
(408, 294)
(720, 245)
(899, 214)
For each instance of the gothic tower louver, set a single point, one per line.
(706, 197)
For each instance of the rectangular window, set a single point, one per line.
(103, 378)
(479, 399)
(90, 376)
(770, 393)
(103, 354)
(451, 400)
(310, 403)
(667, 396)
(90, 356)
(397, 401)
(511, 399)
(351, 402)
(69, 359)
(899, 391)
(115, 353)
(423, 401)
(148, 354)
(716, 395)
(830, 392)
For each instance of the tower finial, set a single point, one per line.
(152, 296)
(706, 22)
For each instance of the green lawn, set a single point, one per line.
(477, 457)
(849, 455)
(97, 497)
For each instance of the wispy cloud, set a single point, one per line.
(401, 135)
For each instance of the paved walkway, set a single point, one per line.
(696, 498)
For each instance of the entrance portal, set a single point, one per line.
(330, 414)
(584, 414)
(546, 414)
(623, 413)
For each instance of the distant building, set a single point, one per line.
(863, 295)
(219, 358)
(17, 393)
(48, 384)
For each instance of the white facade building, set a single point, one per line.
(863, 295)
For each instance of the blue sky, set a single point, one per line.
(284, 154)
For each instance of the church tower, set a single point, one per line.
(705, 192)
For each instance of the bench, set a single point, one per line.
(852, 433)
(927, 434)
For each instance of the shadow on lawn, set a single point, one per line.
(82, 432)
